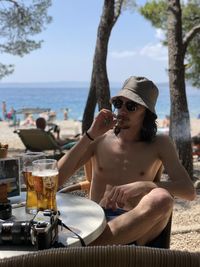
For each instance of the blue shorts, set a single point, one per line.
(111, 214)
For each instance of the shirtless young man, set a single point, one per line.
(126, 159)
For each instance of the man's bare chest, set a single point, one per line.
(130, 163)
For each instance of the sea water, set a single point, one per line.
(74, 98)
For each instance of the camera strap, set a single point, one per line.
(79, 237)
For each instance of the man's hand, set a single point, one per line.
(118, 196)
(103, 122)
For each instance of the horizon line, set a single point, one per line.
(62, 82)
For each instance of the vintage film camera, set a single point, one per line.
(44, 230)
(41, 232)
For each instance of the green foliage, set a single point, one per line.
(5, 70)
(19, 22)
(193, 59)
(191, 17)
(156, 12)
(20, 47)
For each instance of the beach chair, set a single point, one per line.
(162, 241)
(39, 140)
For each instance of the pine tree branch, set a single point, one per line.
(189, 36)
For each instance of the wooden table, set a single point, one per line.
(83, 216)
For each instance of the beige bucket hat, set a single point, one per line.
(140, 90)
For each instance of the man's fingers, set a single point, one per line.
(120, 205)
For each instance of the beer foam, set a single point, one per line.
(27, 169)
(44, 173)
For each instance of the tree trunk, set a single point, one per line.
(88, 114)
(99, 88)
(103, 35)
(180, 120)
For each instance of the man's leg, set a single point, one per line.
(141, 224)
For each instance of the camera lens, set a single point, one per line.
(5, 210)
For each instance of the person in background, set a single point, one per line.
(11, 117)
(14, 121)
(4, 110)
(127, 158)
(41, 124)
(65, 113)
(9, 114)
(29, 121)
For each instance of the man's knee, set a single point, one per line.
(160, 200)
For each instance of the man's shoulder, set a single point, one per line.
(162, 139)
(162, 136)
(164, 143)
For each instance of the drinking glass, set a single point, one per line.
(45, 172)
(31, 198)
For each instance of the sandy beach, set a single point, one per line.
(7, 136)
(68, 128)
(186, 215)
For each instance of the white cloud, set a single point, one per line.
(156, 51)
(123, 54)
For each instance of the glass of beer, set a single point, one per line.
(45, 172)
(31, 198)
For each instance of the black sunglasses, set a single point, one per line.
(130, 105)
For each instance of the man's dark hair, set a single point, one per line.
(40, 123)
(149, 127)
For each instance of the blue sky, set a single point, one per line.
(69, 43)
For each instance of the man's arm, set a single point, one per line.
(85, 148)
(77, 156)
(180, 184)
